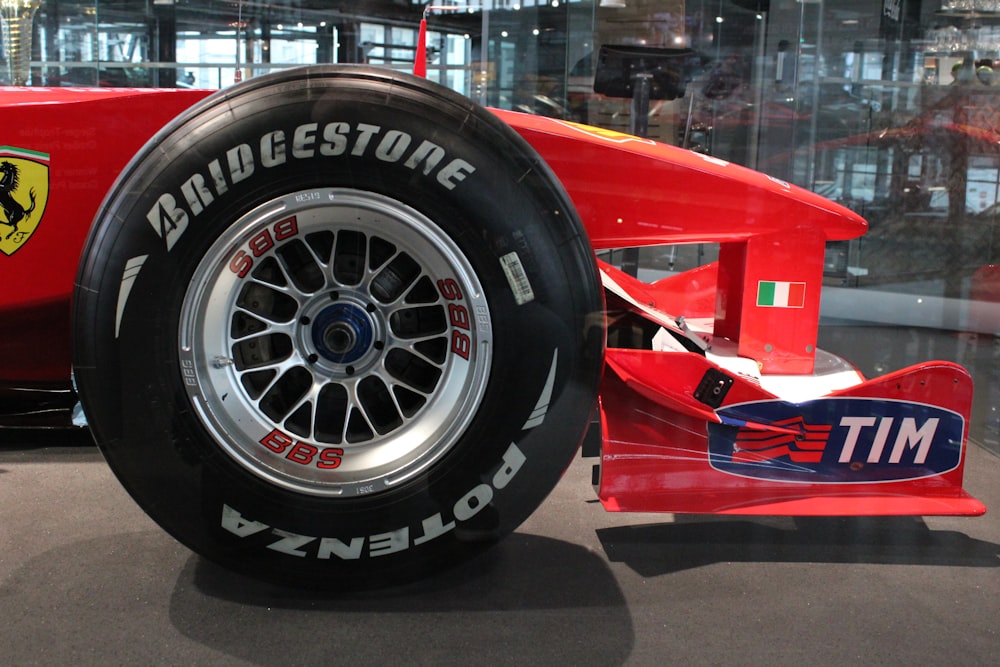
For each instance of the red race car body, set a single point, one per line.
(714, 398)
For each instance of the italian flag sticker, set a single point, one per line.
(778, 294)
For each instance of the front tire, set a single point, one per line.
(334, 327)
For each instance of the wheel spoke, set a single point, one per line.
(301, 266)
(349, 258)
(267, 303)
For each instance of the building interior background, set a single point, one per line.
(889, 107)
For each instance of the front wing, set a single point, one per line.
(691, 429)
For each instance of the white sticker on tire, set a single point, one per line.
(517, 278)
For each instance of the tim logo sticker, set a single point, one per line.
(24, 191)
(836, 441)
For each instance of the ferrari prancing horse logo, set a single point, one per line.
(24, 191)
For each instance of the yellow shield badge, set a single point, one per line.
(24, 191)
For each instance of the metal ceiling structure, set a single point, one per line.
(192, 15)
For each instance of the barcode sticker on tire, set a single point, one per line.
(517, 278)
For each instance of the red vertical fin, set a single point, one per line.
(420, 60)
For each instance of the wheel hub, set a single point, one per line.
(343, 333)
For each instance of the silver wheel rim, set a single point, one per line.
(335, 342)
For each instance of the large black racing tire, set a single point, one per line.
(336, 327)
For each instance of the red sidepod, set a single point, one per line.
(76, 141)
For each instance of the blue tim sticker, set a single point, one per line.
(836, 440)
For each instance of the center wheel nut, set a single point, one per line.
(339, 338)
(343, 333)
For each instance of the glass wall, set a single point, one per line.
(889, 107)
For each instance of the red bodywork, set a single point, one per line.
(825, 442)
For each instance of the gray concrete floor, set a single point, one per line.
(87, 579)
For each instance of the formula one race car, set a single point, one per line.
(339, 326)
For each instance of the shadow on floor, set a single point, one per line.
(657, 549)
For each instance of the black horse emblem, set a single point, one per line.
(12, 209)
